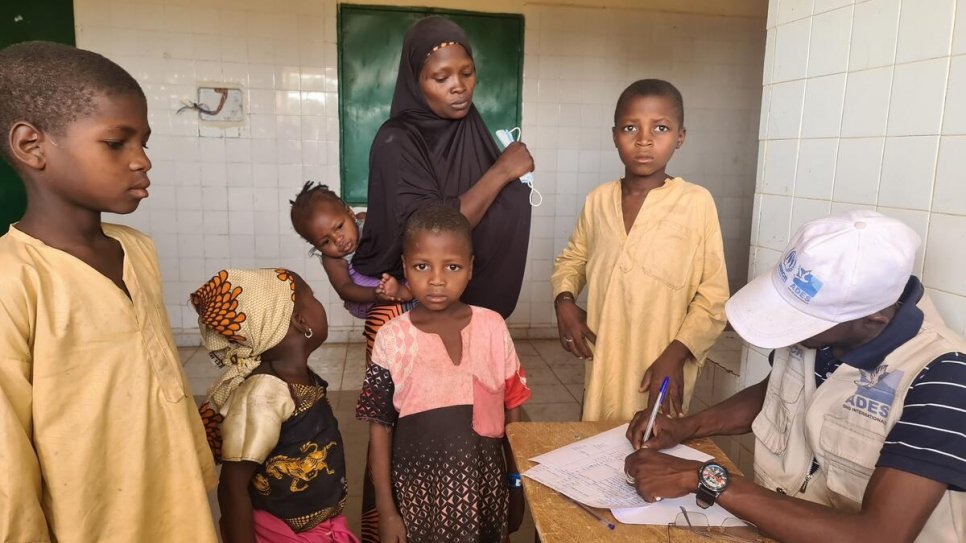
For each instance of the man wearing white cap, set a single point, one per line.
(860, 429)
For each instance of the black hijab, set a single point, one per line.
(419, 158)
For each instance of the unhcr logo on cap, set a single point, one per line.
(788, 264)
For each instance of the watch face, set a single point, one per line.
(714, 477)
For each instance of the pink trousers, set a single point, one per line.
(271, 529)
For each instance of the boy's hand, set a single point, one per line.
(516, 509)
(670, 364)
(391, 290)
(574, 333)
(392, 529)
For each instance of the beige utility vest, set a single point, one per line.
(843, 424)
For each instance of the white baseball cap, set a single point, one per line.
(834, 270)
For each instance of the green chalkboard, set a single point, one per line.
(370, 43)
(51, 20)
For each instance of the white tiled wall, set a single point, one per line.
(219, 202)
(864, 108)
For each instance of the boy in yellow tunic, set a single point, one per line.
(101, 440)
(649, 249)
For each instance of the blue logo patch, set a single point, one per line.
(805, 285)
(875, 393)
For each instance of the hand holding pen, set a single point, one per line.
(654, 410)
(656, 430)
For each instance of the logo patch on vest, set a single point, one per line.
(875, 392)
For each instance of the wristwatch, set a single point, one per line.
(713, 479)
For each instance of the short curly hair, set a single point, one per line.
(303, 205)
(51, 85)
(437, 218)
(651, 87)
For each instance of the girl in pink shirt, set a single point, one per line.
(444, 381)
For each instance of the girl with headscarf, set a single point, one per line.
(283, 474)
(436, 149)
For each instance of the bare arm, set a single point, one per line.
(895, 507)
(730, 417)
(514, 162)
(237, 523)
(512, 415)
(391, 526)
(516, 494)
(338, 271)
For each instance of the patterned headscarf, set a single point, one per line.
(242, 314)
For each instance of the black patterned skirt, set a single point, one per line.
(449, 482)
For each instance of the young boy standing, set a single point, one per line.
(101, 440)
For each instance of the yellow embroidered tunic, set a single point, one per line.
(100, 439)
(664, 280)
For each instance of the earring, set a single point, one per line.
(308, 334)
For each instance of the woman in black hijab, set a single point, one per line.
(435, 148)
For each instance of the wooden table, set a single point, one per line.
(556, 518)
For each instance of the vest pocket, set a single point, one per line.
(771, 425)
(669, 253)
(849, 454)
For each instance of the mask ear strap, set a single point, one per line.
(535, 197)
(535, 202)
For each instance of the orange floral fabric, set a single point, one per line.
(219, 303)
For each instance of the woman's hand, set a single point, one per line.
(572, 326)
(516, 508)
(671, 365)
(514, 162)
(392, 529)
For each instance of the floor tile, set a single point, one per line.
(570, 375)
(577, 391)
(524, 347)
(185, 353)
(550, 393)
(552, 412)
(540, 375)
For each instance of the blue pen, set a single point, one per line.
(657, 407)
